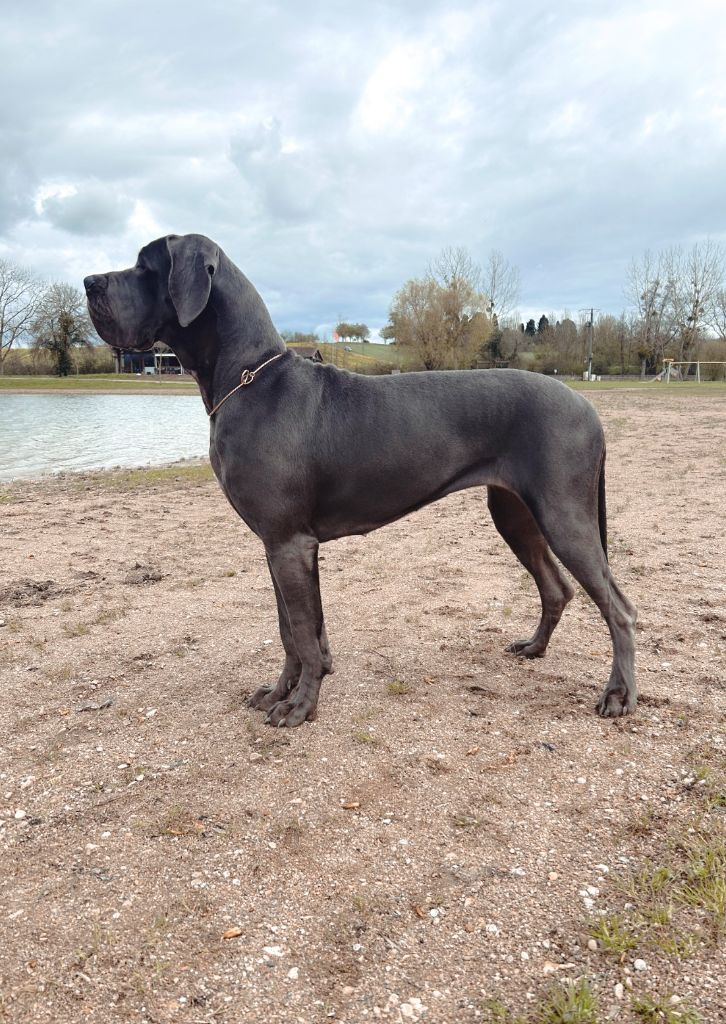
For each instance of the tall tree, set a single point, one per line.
(717, 312)
(350, 332)
(465, 324)
(649, 287)
(442, 317)
(20, 293)
(62, 324)
(695, 277)
(501, 283)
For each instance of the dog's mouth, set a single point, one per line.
(108, 329)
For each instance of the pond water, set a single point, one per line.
(56, 433)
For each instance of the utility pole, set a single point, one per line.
(590, 334)
(589, 354)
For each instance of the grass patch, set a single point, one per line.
(365, 738)
(153, 476)
(708, 387)
(109, 615)
(676, 905)
(111, 383)
(74, 631)
(398, 688)
(573, 1003)
(465, 820)
(664, 1011)
(615, 934)
(179, 822)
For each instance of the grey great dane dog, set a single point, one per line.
(307, 453)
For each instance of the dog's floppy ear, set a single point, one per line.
(194, 261)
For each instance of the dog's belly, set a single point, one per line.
(363, 502)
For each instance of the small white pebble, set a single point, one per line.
(592, 945)
(619, 991)
(640, 965)
(581, 780)
(294, 973)
(20, 814)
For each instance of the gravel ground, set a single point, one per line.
(457, 827)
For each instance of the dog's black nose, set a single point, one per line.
(95, 283)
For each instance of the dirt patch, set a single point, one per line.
(30, 592)
(454, 836)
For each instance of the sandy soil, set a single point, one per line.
(456, 827)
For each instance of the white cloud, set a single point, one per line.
(332, 150)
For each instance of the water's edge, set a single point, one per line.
(44, 435)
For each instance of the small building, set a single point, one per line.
(160, 359)
(307, 352)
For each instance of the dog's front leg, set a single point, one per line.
(265, 698)
(294, 567)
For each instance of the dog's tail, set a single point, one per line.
(601, 510)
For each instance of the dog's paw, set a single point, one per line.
(287, 714)
(260, 699)
(616, 703)
(527, 649)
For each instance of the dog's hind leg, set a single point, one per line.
(572, 529)
(294, 566)
(519, 529)
(266, 697)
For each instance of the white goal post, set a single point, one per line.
(672, 368)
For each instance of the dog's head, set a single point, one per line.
(168, 288)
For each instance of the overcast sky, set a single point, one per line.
(333, 148)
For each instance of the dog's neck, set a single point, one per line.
(225, 340)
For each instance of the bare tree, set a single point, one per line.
(61, 324)
(454, 267)
(501, 284)
(717, 312)
(20, 292)
(649, 288)
(695, 279)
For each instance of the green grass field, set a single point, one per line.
(364, 360)
(653, 387)
(106, 383)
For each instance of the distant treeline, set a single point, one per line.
(458, 314)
